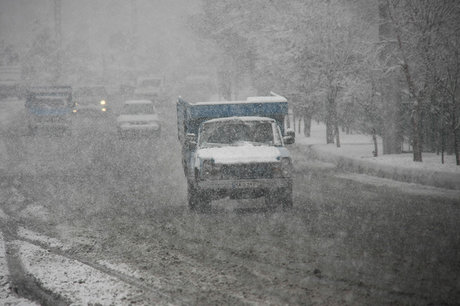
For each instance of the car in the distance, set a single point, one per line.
(91, 100)
(138, 118)
(150, 88)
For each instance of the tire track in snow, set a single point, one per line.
(27, 285)
(22, 283)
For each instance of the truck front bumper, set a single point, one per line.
(246, 184)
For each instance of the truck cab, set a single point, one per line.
(236, 149)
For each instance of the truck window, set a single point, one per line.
(236, 133)
(49, 103)
(138, 109)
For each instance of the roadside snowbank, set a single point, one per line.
(356, 154)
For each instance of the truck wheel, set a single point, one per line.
(192, 197)
(204, 202)
(198, 200)
(286, 197)
(279, 197)
(271, 199)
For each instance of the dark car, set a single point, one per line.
(91, 100)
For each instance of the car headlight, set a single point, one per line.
(103, 109)
(103, 102)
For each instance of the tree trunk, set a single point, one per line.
(288, 121)
(307, 125)
(456, 132)
(337, 136)
(329, 132)
(293, 121)
(374, 139)
(416, 141)
(416, 109)
(335, 123)
(390, 87)
(443, 143)
(331, 117)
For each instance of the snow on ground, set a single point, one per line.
(360, 146)
(31, 235)
(80, 283)
(121, 267)
(6, 296)
(411, 188)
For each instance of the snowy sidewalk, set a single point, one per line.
(355, 154)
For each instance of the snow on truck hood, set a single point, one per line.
(130, 118)
(243, 154)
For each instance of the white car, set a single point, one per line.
(138, 118)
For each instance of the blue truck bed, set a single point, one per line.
(36, 93)
(191, 115)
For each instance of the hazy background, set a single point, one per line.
(103, 40)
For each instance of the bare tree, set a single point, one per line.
(417, 25)
(447, 71)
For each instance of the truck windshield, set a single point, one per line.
(49, 103)
(239, 133)
(138, 109)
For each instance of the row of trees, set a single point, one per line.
(388, 65)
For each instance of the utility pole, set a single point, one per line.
(58, 38)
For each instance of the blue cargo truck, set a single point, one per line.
(236, 149)
(49, 107)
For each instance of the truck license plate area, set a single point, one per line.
(239, 185)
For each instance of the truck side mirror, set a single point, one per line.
(289, 138)
(190, 140)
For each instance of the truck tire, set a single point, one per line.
(286, 197)
(198, 200)
(279, 197)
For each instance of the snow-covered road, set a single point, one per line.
(113, 213)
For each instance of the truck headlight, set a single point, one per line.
(283, 168)
(207, 167)
(103, 102)
(210, 169)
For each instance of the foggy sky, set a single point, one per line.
(94, 21)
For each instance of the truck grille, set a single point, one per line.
(247, 171)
